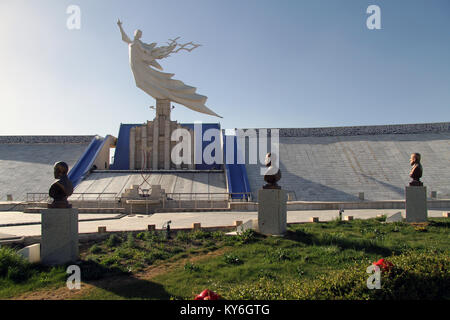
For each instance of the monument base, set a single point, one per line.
(272, 217)
(416, 203)
(59, 236)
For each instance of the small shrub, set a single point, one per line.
(232, 259)
(95, 249)
(124, 253)
(141, 236)
(300, 271)
(278, 255)
(13, 266)
(155, 236)
(113, 241)
(182, 236)
(131, 242)
(247, 236)
(175, 250)
(199, 235)
(266, 274)
(111, 260)
(217, 235)
(190, 267)
(154, 255)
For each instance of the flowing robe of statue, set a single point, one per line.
(160, 85)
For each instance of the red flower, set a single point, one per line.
(384, 265)
(207, 295)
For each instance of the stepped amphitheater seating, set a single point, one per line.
(112, 184)
(318, 164)
(338, 165)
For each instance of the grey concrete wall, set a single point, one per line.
(28, 167)
(337, 168)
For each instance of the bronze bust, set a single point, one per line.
(61, 189)
(273, 173)
(416, 170)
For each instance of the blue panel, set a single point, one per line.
(205, 126)
(86, 161)
(236, 173)
(122, 153)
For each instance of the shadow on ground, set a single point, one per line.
(343, 243)
(122, 284)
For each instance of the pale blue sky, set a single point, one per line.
(286, 63)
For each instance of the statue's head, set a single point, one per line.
(415, 158)
(137, 34)
(60, 169)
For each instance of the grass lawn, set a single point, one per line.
(313, 261)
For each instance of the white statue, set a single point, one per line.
(158, 84)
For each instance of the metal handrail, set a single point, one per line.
(101, 197)
(45, 196)
(109, 197)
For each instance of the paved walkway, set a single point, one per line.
(181, 220)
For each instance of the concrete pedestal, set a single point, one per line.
(272, 217)
(416, 203)
(59, 236)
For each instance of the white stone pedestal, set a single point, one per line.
(416, 203)
(59, 236)
(272, 217)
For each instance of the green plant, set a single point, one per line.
(300, 271)
(278, 255)
(246, 236)
(200, 234)
(190, 267)
(182, 236)
(141, 236)
(13, 266)
(232, 259)
(111, 260)
(124, 253)
(131, 243)
(95, 249)
(266, 274)
(113, 241)
(155, 254)
(415, 276)
(217, 235)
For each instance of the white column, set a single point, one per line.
(132, 147)
(144, 147)
(167, 145)
(155, 143)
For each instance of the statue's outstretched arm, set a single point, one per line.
(125, 38)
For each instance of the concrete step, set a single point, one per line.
(161, 210)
